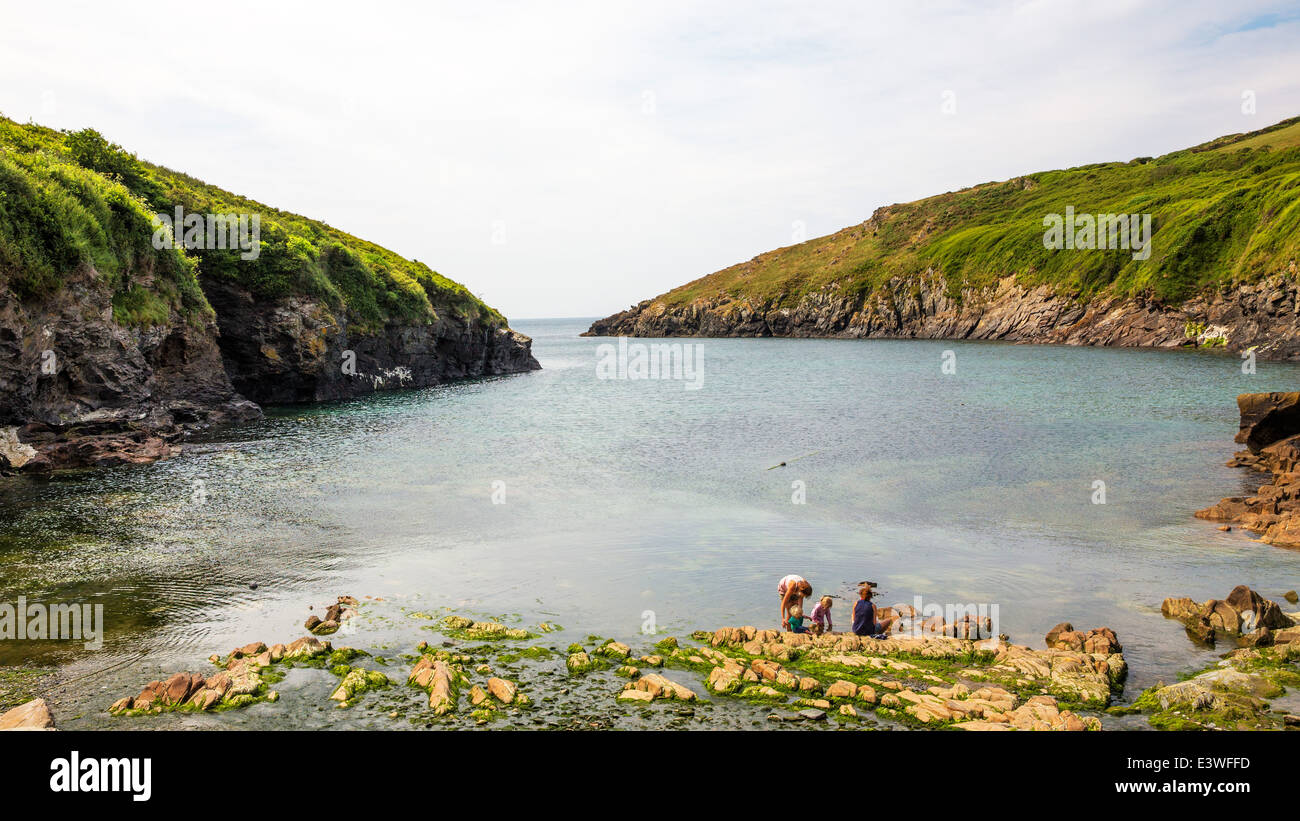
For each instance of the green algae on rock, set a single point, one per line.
(356, 682)
(1234, 694)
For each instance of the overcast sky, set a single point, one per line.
(570, 159)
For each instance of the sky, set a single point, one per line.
(570, 159)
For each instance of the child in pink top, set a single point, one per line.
(821, 615)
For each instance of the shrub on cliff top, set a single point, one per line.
(74, 198)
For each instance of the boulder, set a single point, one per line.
(579, 663)
(34, 715)
(504, 691)
(842, 689)
(1055, 632)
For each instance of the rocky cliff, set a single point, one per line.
(114, 344)
(1260, 315)
(79, 389)
(298, 349)
(1198, 247)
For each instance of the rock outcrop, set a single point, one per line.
(1244, 616)
(1235, 694)
(1261, 316)
(79, 390)
(1270, 429)
(298, 350)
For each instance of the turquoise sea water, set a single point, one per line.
(626, 501)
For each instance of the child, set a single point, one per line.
(796, 620)
(821, 616)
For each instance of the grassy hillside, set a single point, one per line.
(1223, 212)
(72, 198)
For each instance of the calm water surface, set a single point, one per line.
(622, 497)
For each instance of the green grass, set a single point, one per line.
(75, 199)
(1223, 213)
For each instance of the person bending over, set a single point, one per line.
(793, 590)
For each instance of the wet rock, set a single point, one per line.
(503, 690)
(251, 649)
(306, 647)
(660, 687)
(355, 683)
(614, 650)
(437, 677)
(1267, 418)
(579, 663)
(477, 695)
(842, 689)
(325, 628)
(813, 715)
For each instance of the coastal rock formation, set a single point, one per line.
(117, 339)
(435, 675)
(298, 350)
(335, 614)
(1244, 615)
(78, 390)
(654, 686)
(778, 661)
(1261, 316)
(1270, 429)
(1234, 694)
(976, 264)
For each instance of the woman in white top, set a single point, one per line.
(793, 590)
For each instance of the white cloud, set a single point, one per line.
(422, 126)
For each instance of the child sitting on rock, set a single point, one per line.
(797, 620)
(821, 617)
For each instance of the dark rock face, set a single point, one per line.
(1267, 418)
(1261, 316)
(80, 390)
(297, 350)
